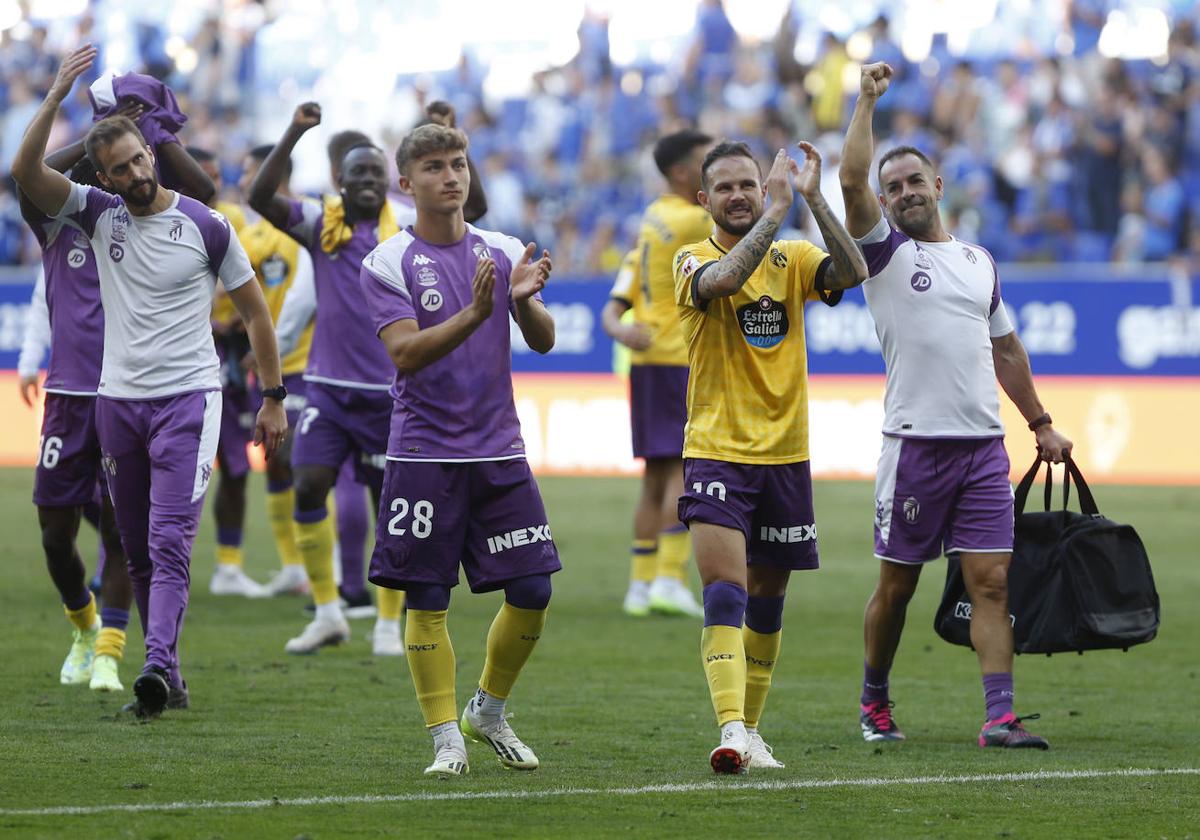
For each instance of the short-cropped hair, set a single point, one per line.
(726, 149)
(901, 151)
(106, 132)
(426, 140)
(672, 148)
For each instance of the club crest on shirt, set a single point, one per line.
(76, 257)
(778, 258)
(481, 250)
(921, 282)
(970, 255)
(431, 300)
(923, 260)
(427, 276)
(176, 230)
(764, 323)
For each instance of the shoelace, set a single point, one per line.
(881, 715)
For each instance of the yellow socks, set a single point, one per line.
(511, 639)
(645, 559)
(391, 602)
(431, 663)
(85, 617)
(279, 514)
(314, 540)
(230, 555)
(762, 651)
(111, 642)
(724, 658)
(674, 546)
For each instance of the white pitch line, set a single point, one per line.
(730, 785)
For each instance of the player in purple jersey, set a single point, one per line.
(457, 489)
(943, 478)
(159, 256)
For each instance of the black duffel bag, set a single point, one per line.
(1078, 581)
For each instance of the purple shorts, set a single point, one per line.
(486, 516)
(771, 504)
(935, 496)
(658, 410)
(239, 408)
(340, 422)
(69, 453)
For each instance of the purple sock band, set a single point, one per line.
(675, 529)
(229, 537)
(764, 614)
(639, 550)
(998, 694)
(114, 618)
(307, 517)
(80, 601)
(278, 486)
(875, 685)
(528, 593)
(429, 597)
(724, 603)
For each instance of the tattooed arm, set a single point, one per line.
(732, 271)
(849, 266)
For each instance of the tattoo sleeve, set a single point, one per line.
(849, 265)
(733, 270)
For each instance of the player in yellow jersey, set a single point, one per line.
(658, 375)
(747, 487)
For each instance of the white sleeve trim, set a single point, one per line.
(299, 306)
(879, 233)
(37, 330)
(999, 324)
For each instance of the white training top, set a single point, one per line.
(936, 307)
(157, 278)
(36, 340)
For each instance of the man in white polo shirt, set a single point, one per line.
(159, 256)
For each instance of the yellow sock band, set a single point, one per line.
(762, 652)
(314, 540)
(724, 658)
(673, 550)
(83, 618)
(111, 642)
(283, 527)
(391, 602)
(431, 662)
(230, 555)
(513, 636)
(645, 559)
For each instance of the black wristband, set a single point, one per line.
(1044, 420)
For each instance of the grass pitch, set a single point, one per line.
(612, 705)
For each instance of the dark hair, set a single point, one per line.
(343, 142)
(726, 149)
(84, 173)
(259, 153)
(200, 155)
(673, 148)
(106, 132)
(427, 139)
(901, 151)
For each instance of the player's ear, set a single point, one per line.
(937, 186)
(702, 197)
(405, 184)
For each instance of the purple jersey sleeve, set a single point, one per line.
(303, 220)
(85, 205)
(879, 245)
(386, 293)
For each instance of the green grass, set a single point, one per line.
(607, 702)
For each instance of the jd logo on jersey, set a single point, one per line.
(921, 282)
(764, 322)
(431, 300)
(76, 257)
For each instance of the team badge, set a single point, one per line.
(76, 257)
(481, 250)
(778, 258)
(109, 463)
(970, 255)
(432, 300)
(427, 276)
(176, 230)
(921, 282)
(923, 260)
(912, 509)
(764, 323)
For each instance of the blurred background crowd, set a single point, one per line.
(1065, 130)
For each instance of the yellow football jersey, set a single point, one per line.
(668, 223)
(275, 257)
(748, 390)
(235, 214)
(223, 308)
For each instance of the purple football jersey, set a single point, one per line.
(344, 352)
(73, 302)
(460, 408)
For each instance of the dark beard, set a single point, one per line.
(740, 229)
(919, 229)
(131, 197)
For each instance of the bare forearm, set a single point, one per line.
(421, 348)
(60, 160)
(610, 318)
(537, 325)
(849, 266)
(270, 175)
(733, 270)
(859, 148)
(190, 179)
(261, 333)
(27, 165)
(1016, 378)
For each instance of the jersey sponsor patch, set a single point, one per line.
(764, 323)
(427, 276)
(921, 282)
(274, 270)
(431, 300)
(76, 257)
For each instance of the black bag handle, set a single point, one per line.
(1087, 503)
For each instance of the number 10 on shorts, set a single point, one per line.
(422, 518)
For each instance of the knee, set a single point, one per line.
(990, 585)
(311, 490)
(724, 603)
(427, 597)
(529, 593)
(764, 614)
(57, 542)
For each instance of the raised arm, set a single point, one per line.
(188, 177)
(849, 266)
(264, 190)
(535, 321)
(47, 189)
(862, 206)
(1016, 378)
(733, 270)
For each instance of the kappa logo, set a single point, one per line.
(432, 300)
(912, 509)
(205, 474)
(778, 258)
(115, 252)
(427, 277)
(880, 510)
(792, 534)
(922, 259)
(970, 255)
(176, 230)
(76, 257)
(519, 537)
(921, 282)
(962, 609)
(421, 259)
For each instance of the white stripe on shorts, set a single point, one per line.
(885, 485)
(210, 435)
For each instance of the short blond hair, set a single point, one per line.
(426, 140)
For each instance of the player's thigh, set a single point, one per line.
(982, 518)
(123, 429)
(237, 431)
(184, 431)
(68, 458)
(718, 504)
(784, 527)
(915, 486)
(424, 510)
(323, 435)
(508, 535)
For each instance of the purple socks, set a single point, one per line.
(998, 694)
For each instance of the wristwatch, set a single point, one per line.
(278, 393)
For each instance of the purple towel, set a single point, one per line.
(161, 116)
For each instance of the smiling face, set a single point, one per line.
(127, 169)
(364, 180)
(733, 194)
(911, 192)
(438, 181)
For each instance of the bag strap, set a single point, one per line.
(1087, 502)
(1021, 494)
